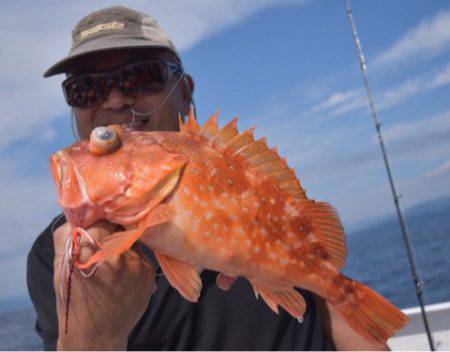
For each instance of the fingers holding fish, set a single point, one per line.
(113, 297)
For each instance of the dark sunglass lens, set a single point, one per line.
(85, 91)
(145, 77)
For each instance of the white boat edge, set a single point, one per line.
(413, 337)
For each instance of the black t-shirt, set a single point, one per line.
(232, 320)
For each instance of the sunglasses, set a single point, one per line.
(146, 77)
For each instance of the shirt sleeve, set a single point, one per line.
(40, 285)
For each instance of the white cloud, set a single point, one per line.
(423, 128)
(441, 170)
(337, 99)
(340, 103)
(432, 184)
(429, 38)
(34, 44)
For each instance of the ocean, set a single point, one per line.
(377, 257)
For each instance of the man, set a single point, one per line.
(123, 69)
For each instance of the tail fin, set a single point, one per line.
(368, 313)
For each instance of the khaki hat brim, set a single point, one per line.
(110, 43)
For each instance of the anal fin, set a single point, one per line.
(182, 276)
(290, 299)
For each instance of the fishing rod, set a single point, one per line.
(418, 283)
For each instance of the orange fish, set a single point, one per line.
(212, 198)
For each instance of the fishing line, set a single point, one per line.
(142, 115)
(67, 257)
(72, 126)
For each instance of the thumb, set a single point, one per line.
(96, 234)
(60, 237)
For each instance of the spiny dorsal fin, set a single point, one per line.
(226, 133)
(264, 162)
(240, 140)
(254, 148)
(210, 128)
(328, 228)
(191, 125)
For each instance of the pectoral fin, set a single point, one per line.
(121, 242)
(181, 276)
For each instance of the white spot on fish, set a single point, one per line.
(257, 249)
(203, 203)
(263, 199)
(204, 162)
(245, 194)
(297, 245)
(224, 194)
(245, 209)
(230, 181)
(290, 210)
(263, 232)
(268, 216)
(209, 215)
(284, 261)
(290, 234)
(272, 201)
(219, 205)
(276, 218)
(214, 172)
(231, 167)
(273, 255)
(256, 205)
(196, 198)
(186, 191)
(241, 231)
(202, 188)
(210, 188)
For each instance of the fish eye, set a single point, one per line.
(104, 140)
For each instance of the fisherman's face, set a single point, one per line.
(116, 109)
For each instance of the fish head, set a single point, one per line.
(120, 186)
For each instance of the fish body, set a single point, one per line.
(212, 198)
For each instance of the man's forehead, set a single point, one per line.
(110, 60)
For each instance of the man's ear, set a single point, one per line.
(188, 90)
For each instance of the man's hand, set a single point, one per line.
(341, 334)
(105, 307)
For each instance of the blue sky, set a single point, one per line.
(289, 68)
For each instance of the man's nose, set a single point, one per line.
(116, 100)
